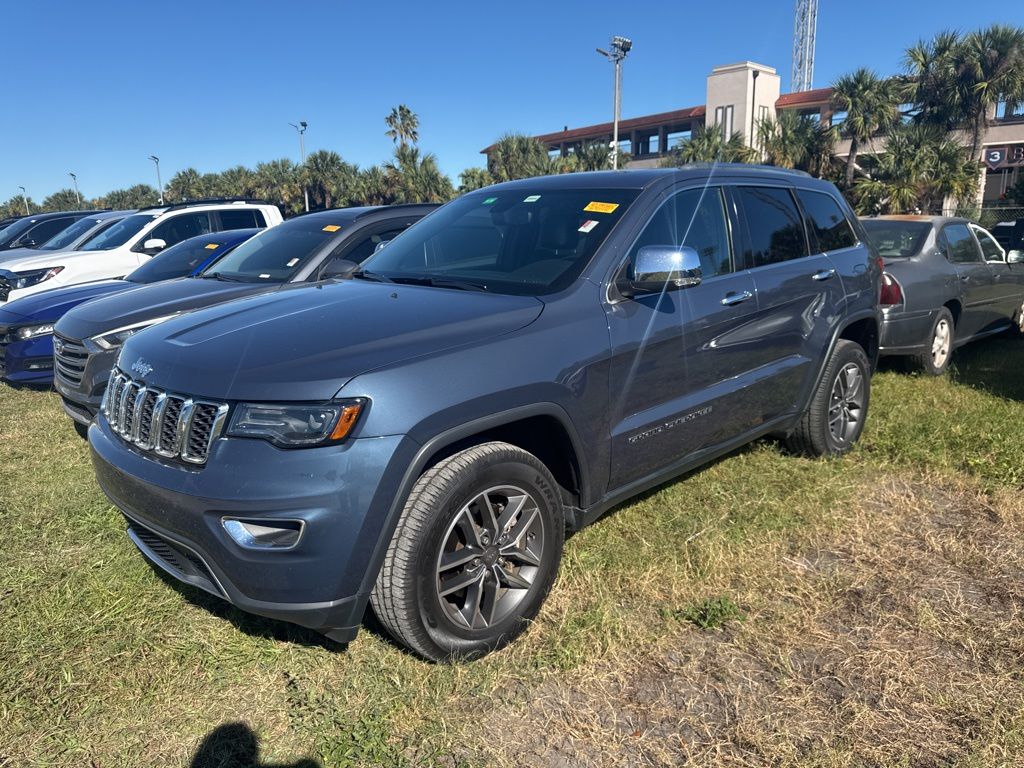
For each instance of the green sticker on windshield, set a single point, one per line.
(490, 201)
(531, 199)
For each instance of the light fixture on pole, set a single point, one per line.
(301, 128)
(619, 48)
(24, 199)
(159, 184)
(74, 180)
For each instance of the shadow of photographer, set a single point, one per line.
(235, 745)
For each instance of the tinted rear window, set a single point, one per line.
(244, 218)
(827, 221)
(896, 239)
(775, 229)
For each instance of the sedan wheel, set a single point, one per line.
(941, 343)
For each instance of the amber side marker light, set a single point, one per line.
(347, 420)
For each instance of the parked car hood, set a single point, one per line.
(148, 302)
(48, 306)
(307, 341)
(30, 258)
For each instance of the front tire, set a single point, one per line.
(835, 417)
(935, 359)
(474, 555)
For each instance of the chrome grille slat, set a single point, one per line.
(170, 425)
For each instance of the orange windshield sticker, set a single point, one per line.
(331, 228)
(212, 247)
(594, 207)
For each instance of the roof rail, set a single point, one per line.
(206, 201)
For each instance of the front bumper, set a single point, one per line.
(27, 362)
(905, 333)
(342, 494)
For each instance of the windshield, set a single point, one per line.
(896, 239)
(63, 240)
(120, 233)
(518, 242)
(277, 253)
(179, 260)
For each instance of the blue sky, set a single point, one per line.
(95, 88)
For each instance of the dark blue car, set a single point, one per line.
(26, 325)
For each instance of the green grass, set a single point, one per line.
(103, 662)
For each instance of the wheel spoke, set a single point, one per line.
(474, 596)
(855, 380)
(470, 530)
(523, 525)
(457, 582)
(512, 580)
(521, 556)
(488, 514)
(458, 557)
(489, 597)
(515, 504)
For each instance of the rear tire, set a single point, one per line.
(835, 417)
(474, 555)
(939, 351)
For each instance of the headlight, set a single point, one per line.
(32, 331)
(36, 276)
(296, 425)
(115, 338)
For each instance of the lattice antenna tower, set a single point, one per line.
(805, 25)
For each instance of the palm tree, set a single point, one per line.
(63, 200)
(794, 141)
(474, 178)
(990, 66)
(928, 82)
(516, 156)
(921, 166)
(870, 104)
(403, 125)
(137, 196)
(186, 184)
(377, 186)
(417, 178)
(278, 182)
(236, 182)
(708, 144)
(328, 178)
(594, 156)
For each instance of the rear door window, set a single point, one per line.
(242, 218)
(989, 247)
(774, 227)
(960, 245)
(181, 227)
(826, 221)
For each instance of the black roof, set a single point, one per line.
(58, 214)
(358, 212)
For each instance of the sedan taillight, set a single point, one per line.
(892, 293)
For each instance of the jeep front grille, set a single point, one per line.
(70, 358)
(169, 425)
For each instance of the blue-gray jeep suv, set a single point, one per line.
(421, 431)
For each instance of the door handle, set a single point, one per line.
(732, 298)
(965, 278)
(823, 274)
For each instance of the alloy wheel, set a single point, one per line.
(846, 405)
(490, 557)
(941, 343)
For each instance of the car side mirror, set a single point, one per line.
(153, 245)
(28, 242)
(338, 269)
(380, 245)
(1015, 256)
(658, 268)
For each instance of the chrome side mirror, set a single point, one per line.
(1015, 256)
(658, 268)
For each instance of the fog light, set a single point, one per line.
(264, 534)
(40, 366)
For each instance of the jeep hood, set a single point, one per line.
(149, 302)
(305, 342)
(50, 305)
(28, 259)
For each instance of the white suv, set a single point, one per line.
(132, 241)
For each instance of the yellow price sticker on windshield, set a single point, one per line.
(212, 247)
(331, 228)
(594, 207)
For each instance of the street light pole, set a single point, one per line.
(159, 184)
(301, 128)
(24, 199)
(619, 48)
(78, 194)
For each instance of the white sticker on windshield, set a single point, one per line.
(292, 263)
(588, 225)
(531, 199)
(265, 276)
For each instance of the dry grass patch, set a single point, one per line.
(894, 639)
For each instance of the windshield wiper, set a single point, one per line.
(222, 276)
(362, 274)
(441, 282)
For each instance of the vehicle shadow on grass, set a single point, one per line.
(991, 365)
(235, 745)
